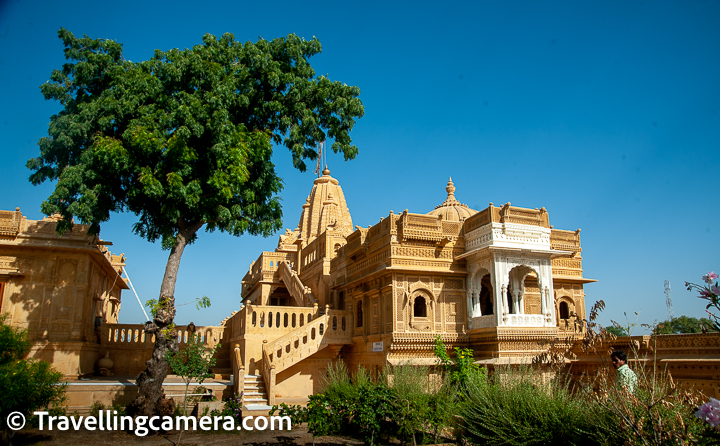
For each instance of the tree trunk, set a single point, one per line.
(150, 391)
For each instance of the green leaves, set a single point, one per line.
(184, 139)
(27, 384)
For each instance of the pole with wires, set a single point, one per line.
(136, 294)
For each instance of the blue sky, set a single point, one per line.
(605, 113)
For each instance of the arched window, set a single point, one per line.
(486, 296)
(359, 314)
(420, 308)
(564, 310)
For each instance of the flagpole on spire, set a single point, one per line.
(318, 168)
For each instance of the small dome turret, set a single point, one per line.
(451, 209)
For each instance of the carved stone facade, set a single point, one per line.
(501, 281)
(60, 288)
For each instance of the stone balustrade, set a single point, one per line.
(301, 343)
(302, 294)
(130, 347)
(524, 320)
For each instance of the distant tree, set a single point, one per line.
(684, 324)
(183, 140)
(27, 384)
(617, 331)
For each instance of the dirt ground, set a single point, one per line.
(298, 436)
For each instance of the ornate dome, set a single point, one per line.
(451, 209)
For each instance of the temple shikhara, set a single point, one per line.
(501, 281)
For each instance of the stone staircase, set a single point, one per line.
(302, 294)
(331, 329)
(254, 392)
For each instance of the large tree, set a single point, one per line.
(184, 140)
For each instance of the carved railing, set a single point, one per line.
(274, 321)
(565, 240)
(264, 267)
(126, 335)
(421, 227)
(333, 327)
(523, 216)
(10, 222)
(302, 294)
(134, 335)
(482, 218)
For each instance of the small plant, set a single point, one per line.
(232, 408)
(463, 368)
(192, 362)
(95, 409)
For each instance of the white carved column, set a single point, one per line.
(496, 278)
(470, 309)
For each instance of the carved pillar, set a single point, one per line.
(470, 305)
(517, 309)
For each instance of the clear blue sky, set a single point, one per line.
(605, 113)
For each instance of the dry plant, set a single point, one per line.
(656, 412)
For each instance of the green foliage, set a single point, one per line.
(184, 139)
(14, 343)
(512, 407)
(27, 384)
(400, 403)
(616, 330)
(462, 369)
(297, 414)
(684, 324)
(192, 362)
(232, 408)
(156, 305)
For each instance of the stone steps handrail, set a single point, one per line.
(331, 328)
(302, 294)
(336, 330)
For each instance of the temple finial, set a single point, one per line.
(450, 189)
(326, 171)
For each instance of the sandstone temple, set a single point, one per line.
(501, 281)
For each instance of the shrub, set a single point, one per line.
(462, 369)
(512, 407)
(27, 384)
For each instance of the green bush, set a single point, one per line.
(512, 407)
(399, 403)
(361, 408)
(27, 384)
